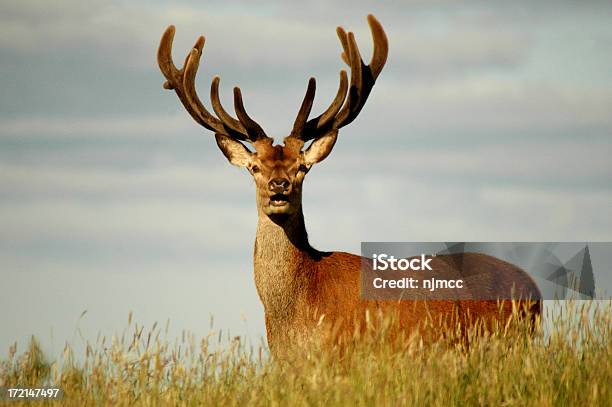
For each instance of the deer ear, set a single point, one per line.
(234, 150)
(320, 148)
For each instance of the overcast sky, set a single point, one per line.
(490, 122)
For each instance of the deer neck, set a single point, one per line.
(281, 258)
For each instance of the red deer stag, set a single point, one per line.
(300, 287)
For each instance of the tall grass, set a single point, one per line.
(571, 364)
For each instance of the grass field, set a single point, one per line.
(568, 364)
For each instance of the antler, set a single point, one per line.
(183, 82)
(346, 105)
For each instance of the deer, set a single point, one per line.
(305, 291)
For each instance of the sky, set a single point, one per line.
(490, 122)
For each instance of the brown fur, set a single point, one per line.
(300, 287)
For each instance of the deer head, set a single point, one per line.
(278, 170)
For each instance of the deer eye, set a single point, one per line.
(303, 168)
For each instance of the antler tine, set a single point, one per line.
(254, 130)
(345, 55)
(335, 106)
(322, 121)
(356, 63)
(176, 77)
(190, 70)
(358, 90)
(302, 116)
(381, 46)
(225, 117)
(164, 57)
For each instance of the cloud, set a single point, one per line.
(142, 232)
(387, 208)
(489, 108)
(185, 299)
(477, 67)
(95, 126)
(169, 169)
(477, 105)
(127, 35)
(173, 209)
(167, 208)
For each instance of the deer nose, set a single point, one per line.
(279, 185)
